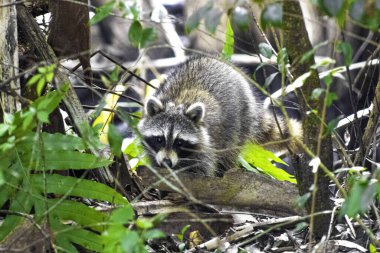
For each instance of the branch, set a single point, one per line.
(237, 188)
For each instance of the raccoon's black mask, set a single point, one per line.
(173, 134)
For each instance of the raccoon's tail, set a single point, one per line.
(279, 134)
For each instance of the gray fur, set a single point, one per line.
(231, 115)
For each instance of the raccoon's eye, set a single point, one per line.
(159, 139)
(179, 143)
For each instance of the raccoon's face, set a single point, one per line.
(173, 135)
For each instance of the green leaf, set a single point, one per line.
(134, 149)
(262, 159)
(43, 116)
(331, 97)
(144, 223)
(83, 237)
(114, 76)
(102, 12)
(122, 215)
(346, 49)
(153, 234)
(65, 160)
(34, 79)
(309, 54)
(65, 244)
(79, 213)
(115, 140)
(272, 15)
(283, 60)
(49, 77)
(21, 203)
(316, 93)
(228, 48)
(135, 33)
(181, 234)
(40, 86)
(359, 198)
(212, 19)
(66, 142)
(158, 218)
(132, 243)
(265, 50)
(50, 101)
(148, 35)
(240, 18)
(332, 125)
(192, 22)
(71, 186)
(372, 248)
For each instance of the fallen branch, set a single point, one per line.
(237, 188)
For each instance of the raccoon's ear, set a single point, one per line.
(153, 106)
(196, 112)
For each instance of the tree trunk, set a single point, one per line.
(8, 59)
(297, 43)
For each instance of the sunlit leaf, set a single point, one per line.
(228, 48)
(102, 12)
(262, 159)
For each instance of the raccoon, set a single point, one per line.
(202, 114)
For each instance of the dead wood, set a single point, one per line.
(237, 188)
(27, 237)
(9, 61)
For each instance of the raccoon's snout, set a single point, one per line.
(168, 162)
(167, 158)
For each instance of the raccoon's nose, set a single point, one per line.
(168, 162)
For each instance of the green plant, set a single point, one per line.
(28, 185)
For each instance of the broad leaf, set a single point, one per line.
(64, 160)
(80, 213)
(72, 186)
(21, 203)
(115, 140)
(102, 12)
(50, 141)
(228, 48)
(265, 50)
(262, 159)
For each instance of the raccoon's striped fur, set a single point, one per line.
(202, 114)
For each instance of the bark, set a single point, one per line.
(297, 43)
(370, 130)
(70, 32)
(238, 188)
(8, 60)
